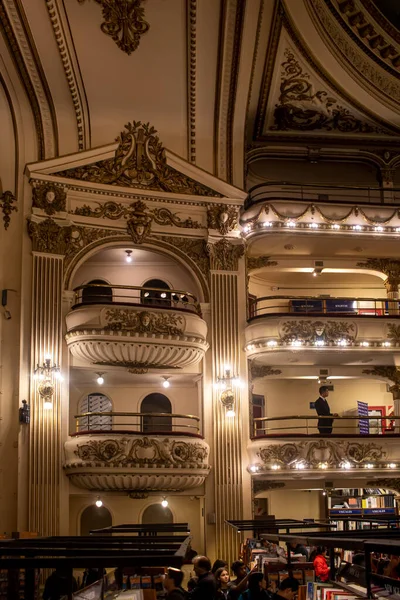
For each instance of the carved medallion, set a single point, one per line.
(139, 161)
(144, 322)
(224, 255)
(123, 22)
(222, 217)
(139, 224)
(50, 198)
(7, 200)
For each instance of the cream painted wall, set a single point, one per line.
(293, 504)
(349, 287)
(185, 509)
(293, 397)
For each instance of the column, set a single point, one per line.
(227, 308)
(45, 460)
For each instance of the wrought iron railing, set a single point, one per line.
(311, 305)
(143, 423)
(101, 293)
(282, 190)
(304, 425)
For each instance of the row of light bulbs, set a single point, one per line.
(335, 226)
(99, 502)
(321, 343)
(301, 465)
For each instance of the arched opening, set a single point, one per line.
(95, 518)
(95, 293)
(156, 403)
(153, 297)
(155, 513)
(95, 403)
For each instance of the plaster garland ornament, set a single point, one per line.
(115, 210)
(224, 256)
(7, 200)
(258, 262)
(144, 322)
(50, 198)
(258, 371)
(143, 451)
(329, 332)
(140, 162)
(302, 108)
(222, 217)
(284, 454)
(123, 22)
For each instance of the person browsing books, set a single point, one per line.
(323, 410)
(320, 565)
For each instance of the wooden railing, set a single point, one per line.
(143, 423)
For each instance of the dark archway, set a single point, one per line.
(155, 513)
(156, 403)
(95, 518)
(156, 298)
(96, 294)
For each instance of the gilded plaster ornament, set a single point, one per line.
(140, 162)
(302, 108)
(224, 256)
(222, 217)
(257, 262)
(262, 371)
(49, 237)
(123, 22)
(139, 223)
(393, 332)
(7, 200)
(284, 454)
(144, 322)
(310, 331)
(143, 451)
(133, 366)
(50, 198)
(389, 266)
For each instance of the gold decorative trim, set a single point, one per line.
(393, 332)
(259, 371)
(7, 200)
(387, 372)
(260, 485)
(225, 256)
(222, 217)
(139, 162)
(329, 332)
(123, 22)
(257, 262)
(389, 266)
(133, 366)
(144, 322)
(49, 237)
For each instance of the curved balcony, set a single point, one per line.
(291, 446)
(136, 452)
(136, 328)
(322, 325)
(280, 207)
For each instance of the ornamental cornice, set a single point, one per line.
(191, 87)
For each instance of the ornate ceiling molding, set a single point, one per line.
(358, 61)
(28, 65)
(139, 162)
(123, 22)
(72, 72)
(191, 19)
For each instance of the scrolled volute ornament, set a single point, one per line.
(284, 454)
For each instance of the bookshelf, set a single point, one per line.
(360, 502)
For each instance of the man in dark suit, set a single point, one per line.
(206, 586)
(322, 408)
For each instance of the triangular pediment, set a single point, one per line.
(136, 160)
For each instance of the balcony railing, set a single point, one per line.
(343, 426)
(332, 306)
(138, 423)
(282, 190)
(100, 293)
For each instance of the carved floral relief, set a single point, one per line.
(144, 322)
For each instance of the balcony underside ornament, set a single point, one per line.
(257, 262)
(134, 366)
(312, 331)
(139, 162)
(262, 371)
(263, 486)
(123, 22)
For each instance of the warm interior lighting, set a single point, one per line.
(99, 502)
(164, 502)
(47, 405)
(166, 383)
(100, 378)
(230, 413)
(128, 256)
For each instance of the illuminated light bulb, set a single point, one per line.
(128, 256)
(47, 357)
(100, 379)
(397, 230)
(365, 344)
(253, 468)
(320, 343)
(296, 343)
(357, 227)
(146, 294)
(386, 344)
(99, 503)
(300, 466)
(342, 342)
(272, 343)
(47, 405)
(166, 383)
(378, 228)
(275, 467)
(58, 376)
(246, 229)
(392, 465)
(369, 466)
(230, 413)
(315, 274)
(314, 225)
(291, 224)
(164, 503)
(324, 493)
(346, 465)
(227, 367)
(323, 465)
(163, 295)
(335, 226)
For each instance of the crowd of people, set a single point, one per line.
(214, 583)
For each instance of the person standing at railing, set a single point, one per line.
(323, 410)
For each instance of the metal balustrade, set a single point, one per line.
(306, 425)
(101, 293)
(138, 423)
(314, 305)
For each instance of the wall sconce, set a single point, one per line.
(227, 384)
(45, 374)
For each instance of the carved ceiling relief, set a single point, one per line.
(262, 371)
(301, 107)
(330, 332)
(123, 22)
(315, 453)
(50, 198)
(140, 162)
(257, 262)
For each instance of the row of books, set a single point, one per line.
(358, 502)
(362, 492)
(331, 591)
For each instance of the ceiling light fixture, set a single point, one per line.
(164, 502)
(99, 502)
(128, 256)
(100, 378)
(166, 383)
